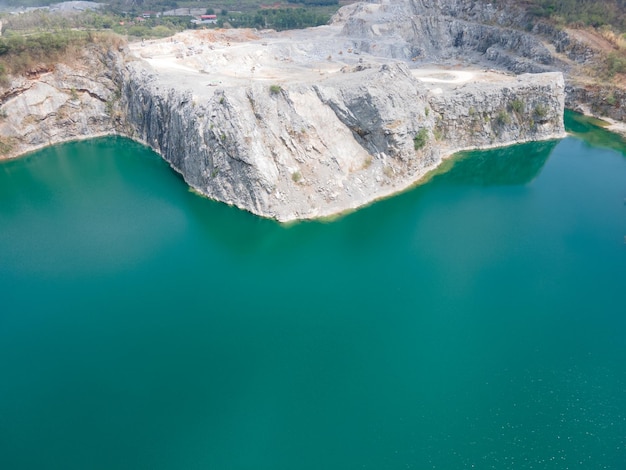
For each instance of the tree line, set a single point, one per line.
(278, 19)
(594, 13)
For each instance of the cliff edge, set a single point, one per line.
(300, 124)
(304, 124)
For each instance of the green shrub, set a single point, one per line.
(517, 106)
(541, 111)
(420, 139)
(5, 146)
(19, 52)
(296, 176)
(610, 99)
(275, 89)
(503, 118)
(4, 79)
(161, 31)
(615, 63)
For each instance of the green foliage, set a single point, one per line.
(275, 89)
(110, 104)
(585, 12)
(541, 111)
(5, 146)
(108, 107)
(4, 79)
(121, 21)
(610, 99)
(41, 43)
(503, 118)
(161, 31)
(420, 139)
(279, 19)
(517, 106)
(20, 52)
(296, 176)
(316, 2)
(615, 63)
(427, 111)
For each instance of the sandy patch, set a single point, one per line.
(444, 76)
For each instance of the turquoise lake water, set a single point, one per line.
(475, 322)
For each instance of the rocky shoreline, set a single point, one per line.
(311, 123)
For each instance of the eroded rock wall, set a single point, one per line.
(437, 30)
(313, 150)
(323, 141)
(603, 101)
(58, 104)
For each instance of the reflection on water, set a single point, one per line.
(513, 165)
(591, 131)
(475, 321)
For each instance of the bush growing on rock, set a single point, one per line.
(5, 146)
(541, 111)
(420, 139)
(517, 105)
(4, 79)
(616, 63)
(503, 118)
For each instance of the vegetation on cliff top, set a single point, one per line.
(156, 18)
(39, 51)
(601, 24)
(41, 36)
(594, 13)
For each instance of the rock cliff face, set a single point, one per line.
(58, 104)
(308, 150)
(604, 101)
(303, 124)
(436, 30)
(499, 34)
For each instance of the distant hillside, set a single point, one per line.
(584, 12)
(594, 13)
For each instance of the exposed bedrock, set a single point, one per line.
(56, 105)
(305, 124)
(435, 30)
(316, 149)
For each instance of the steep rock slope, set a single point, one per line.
(300, 124)
(58, 104)
(315, 148)
(436, 30)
